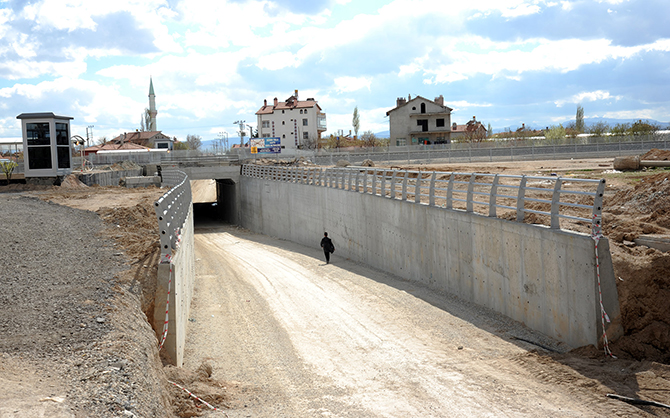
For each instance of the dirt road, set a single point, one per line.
(293, 336)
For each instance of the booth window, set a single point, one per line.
(63, 145)
(39, 145)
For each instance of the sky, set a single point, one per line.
(213, 62)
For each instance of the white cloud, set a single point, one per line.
(631, 114)
(566, 5)
(277, 61)
(465, 104)
(590, 96)
(529, 55)
(348, 84)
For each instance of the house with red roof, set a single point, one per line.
(297, 123)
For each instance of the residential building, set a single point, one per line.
(114, 146)
(149, 139)
(419, 121)
(473, 130)
(298, 123)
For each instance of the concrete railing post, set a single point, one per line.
(365, 181)
(374, 181)
(382, 191)
(417, 188)
(555, 204)
(520, 200)
(404, 186)
(392, 188)
(596, 224)
(431, 191)
(469, 206)
(450, 191)
(492, 197)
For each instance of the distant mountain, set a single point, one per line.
(588, 122)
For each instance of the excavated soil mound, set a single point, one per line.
(643, 274)
(657, 154)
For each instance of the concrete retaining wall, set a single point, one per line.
(543, 278)
(108, 178)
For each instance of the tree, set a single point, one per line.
(571, 129)
(643, 128)
(620, 129)
(579, 119)
(102, 140)
(180, 146)
(555, 133)
(356, 121)
(369, 139)
(194, 141)
(474, 131)
(145, 123)
(489, 130)
(7, 167)
(599, 128)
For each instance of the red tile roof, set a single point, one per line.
(290, 103)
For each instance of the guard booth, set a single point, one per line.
(46, 145)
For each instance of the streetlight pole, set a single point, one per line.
(241, 124)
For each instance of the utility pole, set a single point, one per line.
(223, 141)
(88, 142)
(241, 131)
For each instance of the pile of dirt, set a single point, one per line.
(657, 154)
(200, 382)
(290, 162)
(125, 165)
(643, 274)
(71, 181)
(135, 229)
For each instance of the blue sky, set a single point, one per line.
(213, 62)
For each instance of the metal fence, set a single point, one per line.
(494, 195)
(492, 151)
(158, 158)
(172, 209)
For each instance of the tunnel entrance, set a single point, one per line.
(214, 201)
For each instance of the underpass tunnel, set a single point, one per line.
(214, 201)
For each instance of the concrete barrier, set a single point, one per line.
(108, 178)
(543, 277)
(141, 181)
(176, 271)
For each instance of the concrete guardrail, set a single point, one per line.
(176, 271)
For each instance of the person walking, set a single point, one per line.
(328, 247)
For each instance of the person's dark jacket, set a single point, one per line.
(327, 245)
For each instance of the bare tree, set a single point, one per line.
(194, 141)
(369, 139)
(146, 120)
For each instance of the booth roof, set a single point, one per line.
(43, 115)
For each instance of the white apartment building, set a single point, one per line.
(297, 123)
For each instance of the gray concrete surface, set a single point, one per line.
(141, 181)
(543, 278)
(177, 275)
(108, 178)
(204, 172)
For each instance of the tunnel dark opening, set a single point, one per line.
(221, 211)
